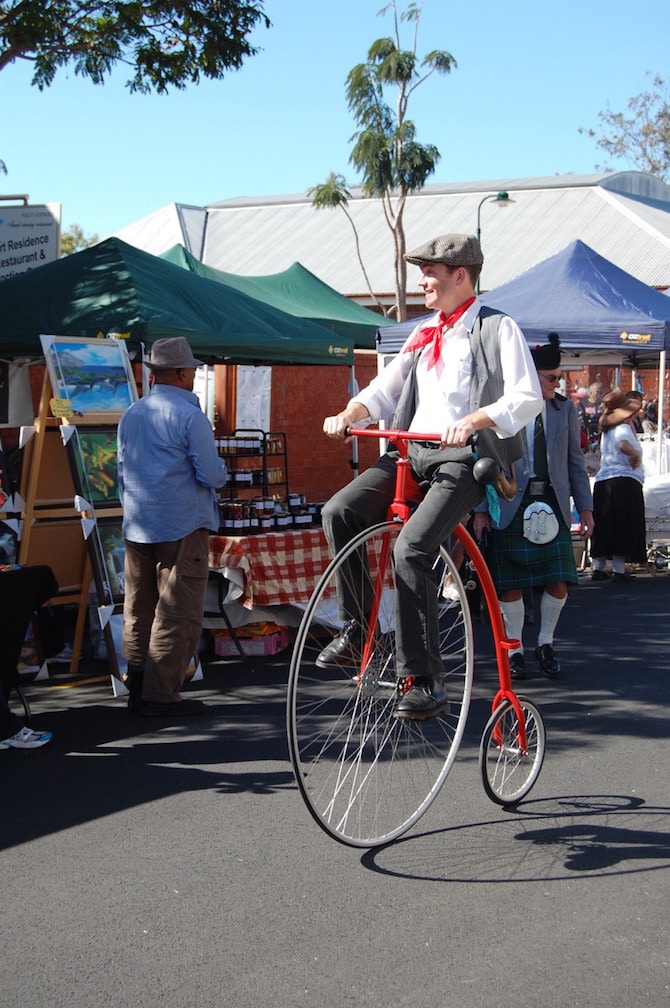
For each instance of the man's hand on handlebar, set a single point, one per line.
(456, 435)
(337, 426)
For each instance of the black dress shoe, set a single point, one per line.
(345, 649)
(549, 663)
(600, 575)
(517, 666)
(622, 577)
(421, 698)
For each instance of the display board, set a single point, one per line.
(72, 510)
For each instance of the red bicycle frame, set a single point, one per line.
(407, 492)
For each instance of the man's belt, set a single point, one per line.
(538, 488)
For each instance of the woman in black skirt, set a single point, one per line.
(618, 500)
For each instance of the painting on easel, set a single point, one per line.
(92, 454)
(107, 553)
(93, 375)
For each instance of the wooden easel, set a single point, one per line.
(52, 527)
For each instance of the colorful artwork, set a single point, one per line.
(9, 542)
(92, 452)
(108, 559)
(93, 375)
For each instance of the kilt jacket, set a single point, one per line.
(565, 462)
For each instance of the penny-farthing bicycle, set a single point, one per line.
(365, 775)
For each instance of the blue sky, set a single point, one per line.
(530, 73)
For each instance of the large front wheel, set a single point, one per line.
(365, 775)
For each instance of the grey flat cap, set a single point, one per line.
(170, 353)
(450, 249)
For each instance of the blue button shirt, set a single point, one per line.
(168, 467)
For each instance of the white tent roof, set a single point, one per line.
(624, 216)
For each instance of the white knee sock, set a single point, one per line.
(550, 610)
(619, 564)
(513, 614)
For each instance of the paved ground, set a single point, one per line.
(148, 864)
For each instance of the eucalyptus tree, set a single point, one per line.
(391, 161)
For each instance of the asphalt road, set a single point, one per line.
(146, 864)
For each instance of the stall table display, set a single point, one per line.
(279, 568)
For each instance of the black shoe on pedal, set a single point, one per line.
(517, 666)
(421, 698)
(549, 663)
(345, 649)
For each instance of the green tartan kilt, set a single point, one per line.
(515, 562)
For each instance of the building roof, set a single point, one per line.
(624, 216)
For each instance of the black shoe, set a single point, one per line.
(549, 663)
(420, 698)
(597, 575)
(180, 708)
(133, 680)
(622, 577)
(345, 649)
(517, 666)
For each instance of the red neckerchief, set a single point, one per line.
(433, 334)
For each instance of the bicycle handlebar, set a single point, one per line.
(400, 435)
(486, 470)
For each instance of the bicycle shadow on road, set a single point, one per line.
(593, 835)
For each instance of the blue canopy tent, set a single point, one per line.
(592, 304)
(601, 313)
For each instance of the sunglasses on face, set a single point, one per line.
(553, 378)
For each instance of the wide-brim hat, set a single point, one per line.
(449, 249)
(172, 353)
(617, 408)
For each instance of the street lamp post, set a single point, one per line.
(501, 199)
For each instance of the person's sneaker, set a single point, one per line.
(345, 649)
(549, 663)
(27, 739)
(517, 666)
(420, 698)
(63, 657)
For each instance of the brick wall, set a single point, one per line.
(301, 398)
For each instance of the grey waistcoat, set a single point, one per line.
(487, 386)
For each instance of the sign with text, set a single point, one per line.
(29, 237)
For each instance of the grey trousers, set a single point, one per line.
(162, 610)
(364, 502)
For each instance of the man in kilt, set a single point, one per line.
(528, 546)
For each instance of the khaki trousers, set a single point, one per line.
(162, 612)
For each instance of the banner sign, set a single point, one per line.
(29, 237)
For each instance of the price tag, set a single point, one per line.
(61, 408)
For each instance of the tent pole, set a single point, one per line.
(353, 389)
(660, 436)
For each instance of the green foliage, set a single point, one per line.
(75, 240)
(165, 43)
(386, 153)
(643, 136)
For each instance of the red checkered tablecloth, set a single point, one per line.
(280, 568)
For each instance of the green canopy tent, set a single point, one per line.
(115, 287)
(297, 292)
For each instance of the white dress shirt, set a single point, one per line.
(443, 392)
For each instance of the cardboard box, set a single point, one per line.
(253, 644)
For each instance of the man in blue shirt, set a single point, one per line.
(169, 470)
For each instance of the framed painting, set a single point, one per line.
(92, 452)
(93, 375)
(9, 542)
(107, 552)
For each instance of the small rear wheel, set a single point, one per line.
(508, 772)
